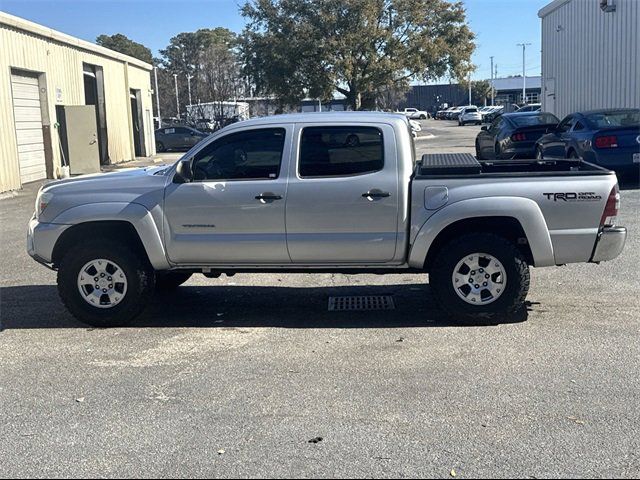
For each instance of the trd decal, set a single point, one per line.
(573, 196)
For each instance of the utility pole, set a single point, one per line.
(175, 80)
(155, 72)
(189, 77)
(469, 89)
(492, 91)
(524, 72)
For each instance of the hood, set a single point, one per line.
(144, 186)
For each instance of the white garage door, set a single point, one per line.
(28, 119)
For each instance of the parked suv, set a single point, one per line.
(470, 115)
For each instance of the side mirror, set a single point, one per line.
(485, 128)
(183, 172)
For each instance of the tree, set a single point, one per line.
(356, 47)
(123, 44)
(480, 90)
(220, 76)
(183, 57)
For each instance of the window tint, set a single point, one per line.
(565, 125)
(578, 126)
(615, 118)
(253, 154)
(182, 131)
(471, 110)
(531, 120)
(339, 151)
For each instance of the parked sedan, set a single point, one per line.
(177, 138)
(610, 138)
(513, 135)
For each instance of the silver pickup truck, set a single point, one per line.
(330, 192)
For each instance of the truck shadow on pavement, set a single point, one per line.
(38, 306)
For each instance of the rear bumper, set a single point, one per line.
(609, 244)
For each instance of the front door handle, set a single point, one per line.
(376, 194)
(268, 197)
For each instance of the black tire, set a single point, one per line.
(160, 147)
(423, 117)
(497, 151)
(506, 305)
(478, 151)
(139, 275)
(573, 155)
(167, 281)
(460, 124)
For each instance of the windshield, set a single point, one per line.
(621, 118)
(533, 120)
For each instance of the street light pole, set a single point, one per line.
(492, 91)
(524, 73)
(155, 72)
(469, 89)
(175, 80)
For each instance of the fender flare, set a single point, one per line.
(524, 210)
(133, 213)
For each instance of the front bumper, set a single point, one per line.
(609, 244)
(41, 238)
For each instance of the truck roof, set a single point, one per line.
(324, 117)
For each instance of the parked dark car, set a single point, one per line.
(513, 135)
(610, 138)
(177, 138)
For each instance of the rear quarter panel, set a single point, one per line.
(571, 206)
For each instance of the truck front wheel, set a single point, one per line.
(104, 283)
(480, 278)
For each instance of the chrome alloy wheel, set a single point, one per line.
(102, 283)
(479, 279)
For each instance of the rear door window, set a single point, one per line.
(335, 151)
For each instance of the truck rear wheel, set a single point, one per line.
(480, 278)
(104, 284)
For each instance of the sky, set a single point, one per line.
(498, 24)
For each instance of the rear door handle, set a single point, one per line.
(376, 194)
(264, 197)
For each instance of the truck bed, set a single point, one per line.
(447, 165)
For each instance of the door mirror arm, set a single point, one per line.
(184, 173)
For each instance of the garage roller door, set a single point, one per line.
(28, 121)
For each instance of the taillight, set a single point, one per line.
(518, 137)
(609, 141)
(611, 208)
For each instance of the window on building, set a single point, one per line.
(340, 151)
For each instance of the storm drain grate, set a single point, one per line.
(362, 302)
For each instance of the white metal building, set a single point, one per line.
(42, 73)
(590, 55)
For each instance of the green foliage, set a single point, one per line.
(123, 44)
(295, 48)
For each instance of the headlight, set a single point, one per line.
(42, 200)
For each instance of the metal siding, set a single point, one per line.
(62, 65)
(594, 58)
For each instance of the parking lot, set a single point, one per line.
(250, 375)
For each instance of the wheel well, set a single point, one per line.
(570, 150)
(506, 227)
(120, 231)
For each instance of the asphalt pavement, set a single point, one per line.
(251, 376)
